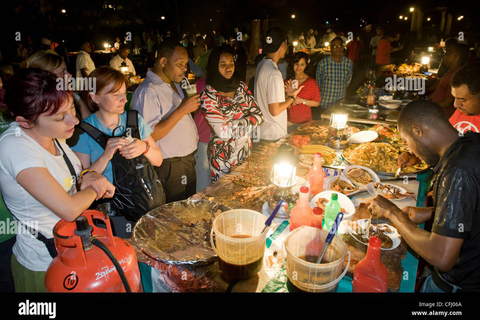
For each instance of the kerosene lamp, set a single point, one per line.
(337, 135)
(124, 68)
(284, 178)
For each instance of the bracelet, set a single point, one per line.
(84, 172)
(147, 147)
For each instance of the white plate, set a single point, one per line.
(390, 104)
(363, 136)
(356, 226)
(370, 171)
(371, 189)
(343, 200)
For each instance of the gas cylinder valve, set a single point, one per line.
(84, 231)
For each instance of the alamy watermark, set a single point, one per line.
(77, 84)
(12, 226)
(405, 84)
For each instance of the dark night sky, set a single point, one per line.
(92, 19)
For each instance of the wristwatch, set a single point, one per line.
(304, 101)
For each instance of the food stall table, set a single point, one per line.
(232, 191)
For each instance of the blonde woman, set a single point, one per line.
(56, 65)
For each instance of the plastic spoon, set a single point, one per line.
(331, 235)
(272, 216)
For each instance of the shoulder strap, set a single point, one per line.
(97, 135)
(31, 230)
(132, 124)
(132, 118)
(69, 164)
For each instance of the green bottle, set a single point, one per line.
(331, 211)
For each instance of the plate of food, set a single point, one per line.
(361, 230)
(388, 191)
(342, 185)
(322, 199)
(360, 175)
(308, 153)
(381, 157)
(318, 133)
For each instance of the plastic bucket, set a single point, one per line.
(237, 240)
(305, 244)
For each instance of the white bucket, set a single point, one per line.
(237, 240)
(311, 276)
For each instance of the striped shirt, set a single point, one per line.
(333, 79)
(301, 112)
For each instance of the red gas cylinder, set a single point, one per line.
(91, 259)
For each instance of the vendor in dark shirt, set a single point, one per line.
(453, 245)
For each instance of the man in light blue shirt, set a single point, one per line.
(161, 102)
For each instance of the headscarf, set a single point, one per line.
(214, 78)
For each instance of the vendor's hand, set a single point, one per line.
(114, 144)
(407, 159)
(133, 149)
(99, 183)
(381, 207)
(191, 104)
(418, 215)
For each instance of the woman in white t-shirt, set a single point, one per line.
(37, 184)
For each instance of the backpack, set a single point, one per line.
(138, 188)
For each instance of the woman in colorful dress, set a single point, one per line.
(231, 111)
(309, 97)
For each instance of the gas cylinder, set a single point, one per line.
(90, 258)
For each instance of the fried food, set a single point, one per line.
(388, 191)
(343, 186)
(359, 176)
(318, 133)
(378, 156)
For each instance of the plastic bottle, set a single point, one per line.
(370, 274)
(331, 211)
(316, 175)
(302, 214)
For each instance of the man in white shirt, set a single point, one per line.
(161, 102)
(270, 90)
(84, 62)
(121, 59)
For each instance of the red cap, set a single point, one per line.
(304, 189)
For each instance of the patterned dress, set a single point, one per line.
(234, 124)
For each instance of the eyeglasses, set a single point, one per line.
(337, 46)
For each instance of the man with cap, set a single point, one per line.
(271, 94)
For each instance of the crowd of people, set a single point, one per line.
(190, 140)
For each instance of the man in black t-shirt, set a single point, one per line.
(453, 245)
